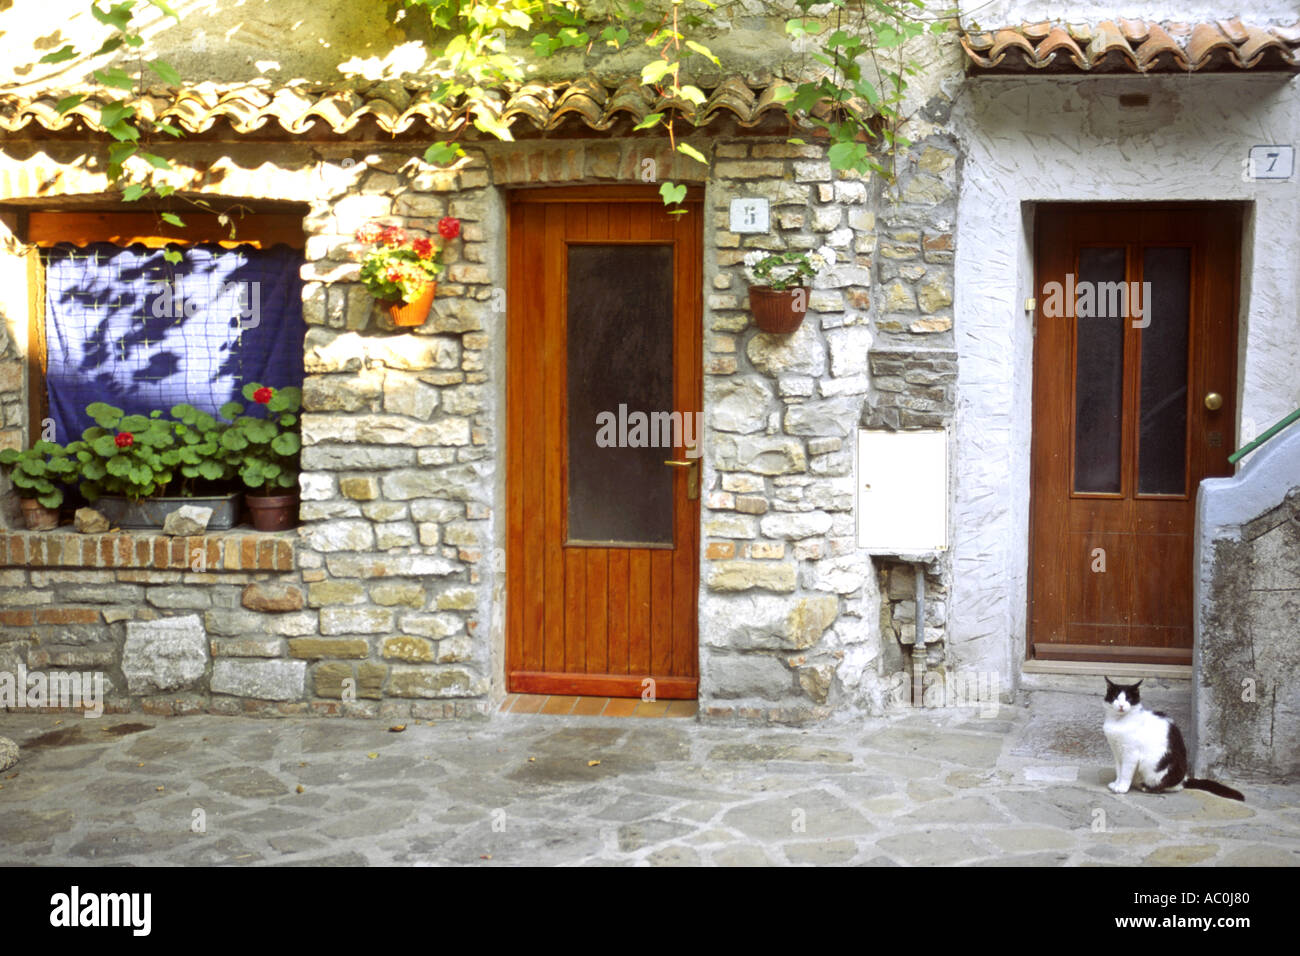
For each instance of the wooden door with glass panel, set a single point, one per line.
(1134, 402)
(603, 542)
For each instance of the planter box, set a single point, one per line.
(152, 512)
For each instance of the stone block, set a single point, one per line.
(260, 680)
(164, 655)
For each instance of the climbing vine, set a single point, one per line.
(849, 92)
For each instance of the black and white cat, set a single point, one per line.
(1148, 748)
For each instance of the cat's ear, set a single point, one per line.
(1139, 683)
(1109, 682)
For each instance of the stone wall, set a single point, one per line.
(391, 598)
(1246, 659)
(795, 621)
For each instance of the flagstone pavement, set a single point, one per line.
(1024, 786)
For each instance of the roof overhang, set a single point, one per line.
(1133, 46)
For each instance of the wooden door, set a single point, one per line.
(1134, 402)
(602, 556)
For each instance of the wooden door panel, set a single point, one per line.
(1140, 607)
(585, 616)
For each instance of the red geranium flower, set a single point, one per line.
(124, 440)
(392, 235)
(448, 227)
(394, 275)
(262, 395)
(423, 247)
(370, 232)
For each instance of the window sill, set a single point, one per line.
(239, 549)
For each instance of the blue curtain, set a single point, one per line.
(126, 327)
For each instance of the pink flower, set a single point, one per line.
(448, 227)
(263, 395)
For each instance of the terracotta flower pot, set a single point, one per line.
(273, 512)
(37, 517)
(775, 311)
(415, 312)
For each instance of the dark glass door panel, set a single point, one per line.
(1099, 375)
(620, 367)
(1162, 429)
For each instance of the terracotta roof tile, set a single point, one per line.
(1134, 46)
(247, 109)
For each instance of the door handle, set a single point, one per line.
(1214, 401)
(692, 476)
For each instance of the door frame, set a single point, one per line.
(1234, 213)
(520, 681)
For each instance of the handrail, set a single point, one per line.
(1240, 452)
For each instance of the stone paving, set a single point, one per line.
(945, 787)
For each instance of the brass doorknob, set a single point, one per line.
(1214, 401)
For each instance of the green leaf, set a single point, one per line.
(134, 191)
(654, 71)
(117, 78)
(109, 45)
(442, 154)
(210, 469)
(58, 56)
(689, 150)
(847, 155)
(233, 440)
(166, 71)
(118, 153)
(51, 500)
(67, 103)
(672, 193)
(111, 114)
(703, 51)
(117, 16)
(156, 161)
(173, 256)
(173, 220)
(692, 94)
(650, 121)
(286, 444)
(228, 410)
(119, 467)
(104, 415)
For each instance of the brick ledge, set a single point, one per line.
(235, 550)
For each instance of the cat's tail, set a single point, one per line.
(1211, 786)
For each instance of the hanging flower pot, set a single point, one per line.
(37, 517)
(272, 512)
(401, 271)
(777, 296)
(415, 311)
(778, 311)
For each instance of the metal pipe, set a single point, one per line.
(918, 641)
(1239, 453)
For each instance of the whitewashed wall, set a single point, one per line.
(1029, 140)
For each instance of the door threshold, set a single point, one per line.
(564, 705)
(1102, 668)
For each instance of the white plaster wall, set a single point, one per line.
(1029, 140)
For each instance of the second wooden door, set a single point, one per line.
(1134, 403)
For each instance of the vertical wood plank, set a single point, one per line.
(552, 427)
(661, 612)
(638, 654)
(531, 482)
(619, 612)
(597, 579)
